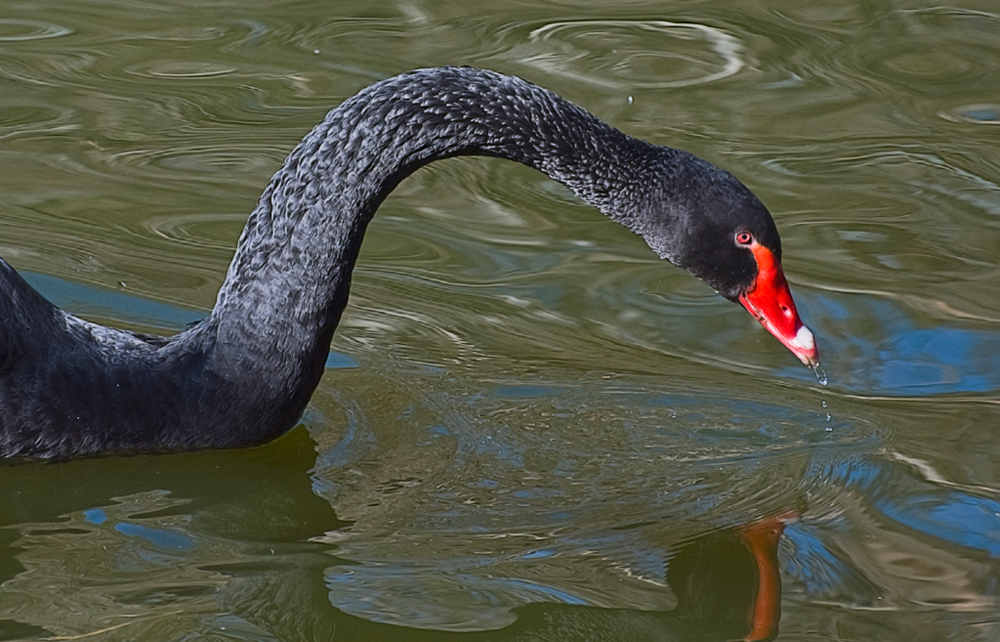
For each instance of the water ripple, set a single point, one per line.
(603, 52)
(469, 503)
(17, 30)
(981, 114)
(180, 69)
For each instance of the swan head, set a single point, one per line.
(703, 219)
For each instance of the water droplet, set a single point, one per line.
(829, 416)
(820, 374)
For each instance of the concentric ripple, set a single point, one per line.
(615, 53)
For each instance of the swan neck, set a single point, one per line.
(289, 279)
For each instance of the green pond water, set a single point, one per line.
(531, 428)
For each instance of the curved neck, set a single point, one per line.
(289, 280)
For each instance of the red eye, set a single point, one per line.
(744, 238)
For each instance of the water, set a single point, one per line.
(530, 428)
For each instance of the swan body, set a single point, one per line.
(243, 376)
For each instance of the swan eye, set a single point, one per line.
(744, 238)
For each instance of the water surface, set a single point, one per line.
(530, 428)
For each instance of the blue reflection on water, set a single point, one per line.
(819, 568)
(118, 305)
(874, 346)
(95, 516)
(158, 537)
(972, 522)
(91, 301)
(948, 514)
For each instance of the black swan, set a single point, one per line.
(243, 376)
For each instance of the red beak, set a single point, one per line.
(770, 302)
